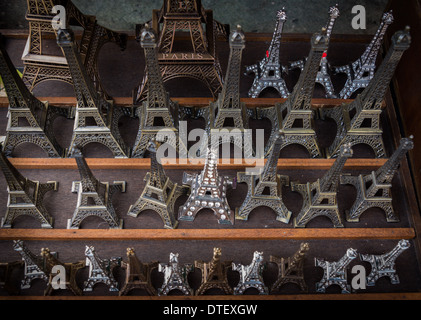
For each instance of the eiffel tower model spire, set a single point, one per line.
(375, 189)
(25, 196)
(361, 71)
(251, 275)
(175, 276)
(267, 180)
(159, 193)
(94, 198)
(96, 119)
(268, 72)
(359, 121)
(319, 197)
(29, 120)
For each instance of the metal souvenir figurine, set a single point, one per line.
(320, 197)
(96, 119)
(208, 190)
(384, 265)
(375, 189)
(100, 270)
(138, 274)
(29, 120)
(201, 61)
(335, 272)
(159, 193)
(258, 185)
(214, 274)
(361, 71)
(251, 275)
(175, 276)
(25, 196)
(268, 72)
(94, 198)
(291, 269)
(359, 121)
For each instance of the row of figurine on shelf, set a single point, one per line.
(208, 190)
(215, 274)
(96, 119)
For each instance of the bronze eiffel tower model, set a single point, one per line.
(201, 61)
(214, 274)
(138, 274)
(375, 189)
(25, 196)
(267, 180)
(94, 198)
(159, 193)
(319, 197)
(96, 119)
(29, 120)
(359, 121)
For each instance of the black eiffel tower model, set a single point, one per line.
(359, 121)
(94, 198)
(96, 119)
(29, 120)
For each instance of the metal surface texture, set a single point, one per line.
(251, 275)
(175, 276)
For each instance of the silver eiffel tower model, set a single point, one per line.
(375, 189)
(96, 119)
(265, 189)
(320, 197)
(250, 275)
(361, 71)
(159, 193)
(335, 272)
(25, 196)
(359, 121)
(384, 265)
(94, 198)
(323, 75)
(268, 71)
(29, 120)
(175, 276)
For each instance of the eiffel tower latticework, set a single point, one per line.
(94, 198)
(159, 193)
(25, 196)
(361, 72)
(320, 197)
(175, 276)
(268, 71)
(375, 189)
(201, 61)
(269, 180)
(91, 107)
(251, 275)
(359, 121)
(29, 120)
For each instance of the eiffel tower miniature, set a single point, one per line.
(138, 274)
(359, 121)
(201, 61)
(94, 198)
(100, 270)
(268, 180)
(319, 197)
(335, 272)
(323, 75)
(375, 189)
(208, 190)
(158, 112)
(214, 274)
(159, 193)
(29, 120)
(291, 269)
(384, 265)
(361, 71)
(25, 197)
(251, 275)
(175, 277)
(268, 72)
(96, 119)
